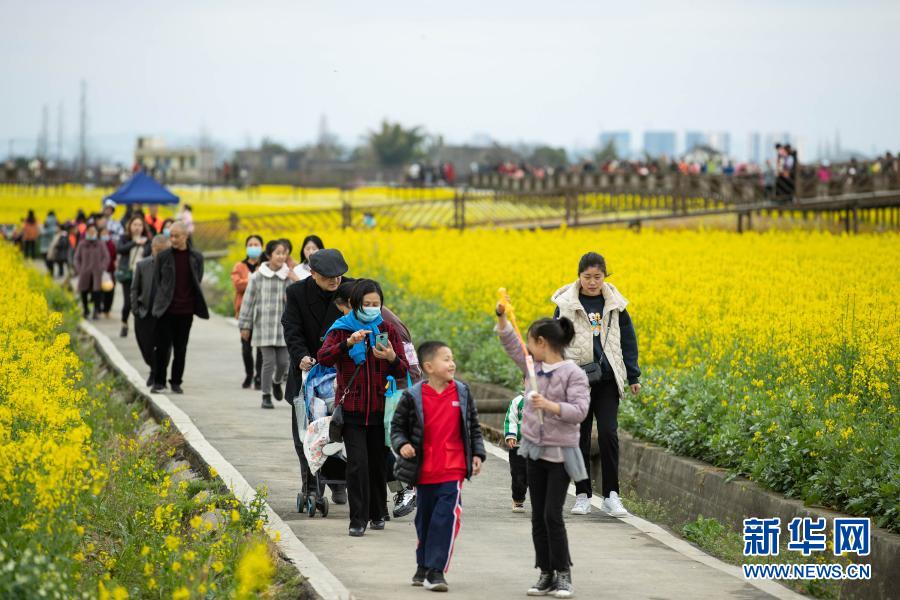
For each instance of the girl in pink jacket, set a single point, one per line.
(551, 426)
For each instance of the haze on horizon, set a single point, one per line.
(516, 71)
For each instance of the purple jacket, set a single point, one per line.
(567, 384)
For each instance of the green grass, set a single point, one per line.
(725, 543)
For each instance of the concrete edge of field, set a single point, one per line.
(678, 545)
(322, 582)
(697, 487)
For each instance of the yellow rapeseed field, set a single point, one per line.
(773, 354)
(692, 294)
(207, 202)
(85, 509)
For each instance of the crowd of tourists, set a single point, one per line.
(397, 416)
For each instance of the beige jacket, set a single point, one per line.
(581, 350)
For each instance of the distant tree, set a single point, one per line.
(270, 145)
(433, 146)
(394, 145)
(549, 157)
(327, 146)
(608, 153)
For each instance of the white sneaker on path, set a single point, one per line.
(613, 506)
(582, 505)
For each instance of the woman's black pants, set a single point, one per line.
(605, 409)
(95, 297)
(247, 355)
(366, 485)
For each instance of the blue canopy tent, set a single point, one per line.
(142, 189)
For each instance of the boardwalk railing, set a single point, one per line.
(745, 186)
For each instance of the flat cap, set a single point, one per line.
(328, 263)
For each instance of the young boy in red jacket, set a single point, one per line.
(437, 438)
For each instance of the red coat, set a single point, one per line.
(366, 395)
(111, 248)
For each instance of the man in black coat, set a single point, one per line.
(176, 276)
(142, 294)
(308, 313)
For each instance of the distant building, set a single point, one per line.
(269, 157)
(659, 143)
(465, 157)
(692, 139)
(754, 148)
(720, 140)
(174, 165)
(621, 141)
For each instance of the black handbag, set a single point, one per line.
(593, 370)
(336, 425)
(124, 275)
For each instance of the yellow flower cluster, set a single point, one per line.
(83, 509)
(693, 294)
(46, 457)
(254, 571)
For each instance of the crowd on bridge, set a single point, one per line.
(767, 173)
(370, 411)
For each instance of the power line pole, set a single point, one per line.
(82, 132)
(59, 134)
(43, 137)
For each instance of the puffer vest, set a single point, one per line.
(581, 350)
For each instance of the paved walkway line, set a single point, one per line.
(322, 580)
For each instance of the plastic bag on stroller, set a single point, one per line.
(316, 446)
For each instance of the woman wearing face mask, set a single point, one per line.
(240, 278)
(166, 227)
(311, 245)
(363, 366)
(260, 315)
(91, 260)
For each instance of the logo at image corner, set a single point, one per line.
(808, 535)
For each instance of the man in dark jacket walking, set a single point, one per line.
(142, 293)
(308, 313)
(177, 275)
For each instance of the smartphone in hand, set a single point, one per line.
(382, 340)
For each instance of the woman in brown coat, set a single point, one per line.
(91, 261)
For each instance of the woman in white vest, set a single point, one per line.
(605, 346)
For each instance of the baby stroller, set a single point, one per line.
(327, 461)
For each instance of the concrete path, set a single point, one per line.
(493, 558)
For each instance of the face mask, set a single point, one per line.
(90, 238)
(166, 232)
(254, 252)
(367, 314)
(105, 238)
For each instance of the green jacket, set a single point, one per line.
(513, 419)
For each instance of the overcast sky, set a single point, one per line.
(559, 72)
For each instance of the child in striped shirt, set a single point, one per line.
(517, 466)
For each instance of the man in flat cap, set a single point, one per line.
(308, 313)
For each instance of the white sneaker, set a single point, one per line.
(582, 505)
(613, 506)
